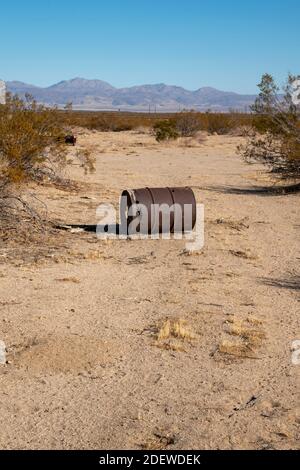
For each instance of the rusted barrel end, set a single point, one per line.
(158, 210)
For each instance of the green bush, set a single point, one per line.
(165, 130)
(275, 140)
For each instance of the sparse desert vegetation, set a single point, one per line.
(247, 337)
(173, 334)
(149, 232)
(145, 346)
(275, 136)
(186, 123)
(32, 151)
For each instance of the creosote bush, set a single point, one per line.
(275, 136)
(32, 149)
(165, 130)
(31, 141)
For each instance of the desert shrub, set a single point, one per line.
(216, 123)
(107, 121)
(188, 124)
(31, 141)
(165, 130)
(99, 123)
(32, 149)
(121, 125)
(275, 136)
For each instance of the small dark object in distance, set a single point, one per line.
(70, 139)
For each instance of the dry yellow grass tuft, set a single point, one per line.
(253, 336)
(165, 331)
(173, 334)
(249, 337)
(237, 350)
(176, 329)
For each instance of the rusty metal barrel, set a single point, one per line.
(158, 210)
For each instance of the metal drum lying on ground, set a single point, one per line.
(158, 210)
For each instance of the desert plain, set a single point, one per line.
(138, 344)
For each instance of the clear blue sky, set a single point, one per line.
(227, 44)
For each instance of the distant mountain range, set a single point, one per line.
(99, 95)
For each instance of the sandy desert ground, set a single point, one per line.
(91, 363)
